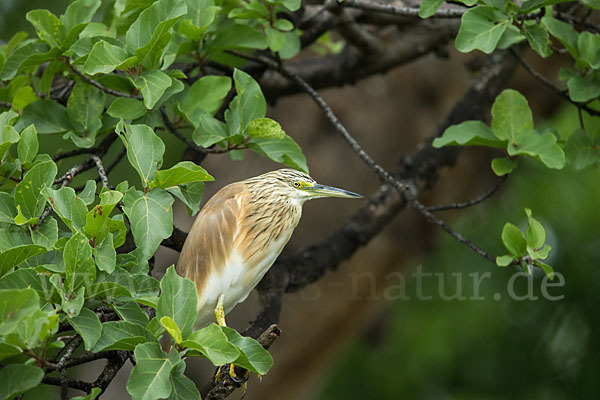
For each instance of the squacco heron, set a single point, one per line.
(240, 232)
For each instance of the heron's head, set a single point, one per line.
(300, 186)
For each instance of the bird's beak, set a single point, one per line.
(318, 190)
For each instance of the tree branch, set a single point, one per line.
(470, 203)
(102, 87)
(401, 10)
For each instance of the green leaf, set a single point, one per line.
(149, 378)
(209, 130)
(88, 194)
(429, 7)
(151, 218)
(587, 46)
(180, 173)
(27, 56)
(542, 147)
(79, 12)
(8, 211)
(530, 5)
(253, 356)
(468, 133)
(48, 28)
(511, 116)
(265, 128)
(128, 109)
(548, 270)
(183, 387)
(284, 151)
(503, 166)
(536, 234)
(511, 36)
(505, 260)
(152, 85)
(96, 219)
(172, 328)
(92, 396)
(178, 301)
(292, 5)
(48, 117)
(46, 234)
(28, 191)
(24, 278)
(583, 89)
(481, 28)
(28, 145)
(275, 38)
(69, 207)
(88, 325)
(104, 58)
(131, 311)
(16, 255)
(237, 36)
(16, 305)
(564, 32)
(105, 255)
(190, 194)
(250, 100)
(84, 108)
(207, 93)
(538, 38)
(23, 97)
(213, 344)
(595, 4)
(122, 335)
(581, 152)
(8, 350)
(18, 378)
(9, 137)
(144, 150)
(79, 267)
(513, 240)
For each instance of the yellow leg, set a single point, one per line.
(219, 312)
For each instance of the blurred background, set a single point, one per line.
(415, 314)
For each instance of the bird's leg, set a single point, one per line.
(219, 312)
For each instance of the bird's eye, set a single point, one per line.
(296, 184)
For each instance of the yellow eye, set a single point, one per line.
(297, 184)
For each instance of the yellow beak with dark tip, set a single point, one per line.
(318, 190)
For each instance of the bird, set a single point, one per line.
(240, 232)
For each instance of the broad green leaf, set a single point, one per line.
(183, 387)
(150, 217)
(588, 45)
(96, 219)
(284, 151)
(144, 151)
(292, 5)
(92, 396)
(172, 328)
(104, 58)
(72, 303)
(548, 270)
(505, 260)
(122, 335)
(88, 194)
(511, 36)
(45, 234)
(542, 147)
(88, 325)
(265, 128)
(28, 191)
(48, 117)
(8, 350)
(16, 255)
(24, 278)
(79, 12)
(48, 28)
(429, 7)
(237, 36)
(503, 166)
(530, 5)
(23, 97)
(275, 38)
(84, 108)
(583, 89)
(69, 207)
(209, 130)
(595, 4)
(292, 45)
(481, 28)
(564, 32)
(206, 93)
(180, 173)
(128, 109)
(131, 311)
(581, 152)
(105, 255)
(48, 75)
(152, 85)
(511, 116)
(16, 304)
(79, 266)
(253, 356)
(18, 378)
(29, 54)
(178, 301)
(513, 240)
(149, 378)
(538, 38)
(468, 133)
(251, 102)
(9, 137)
(213, 344)
(8, 211)
(536, 234)
(28, 145)
(190, 194)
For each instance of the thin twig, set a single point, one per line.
(400, 10)
(102, 87)
(73, 383)
(470, 203)
(101, 171)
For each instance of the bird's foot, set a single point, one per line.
(220, 312)
(243, 378)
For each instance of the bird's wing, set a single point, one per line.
(210, 242)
